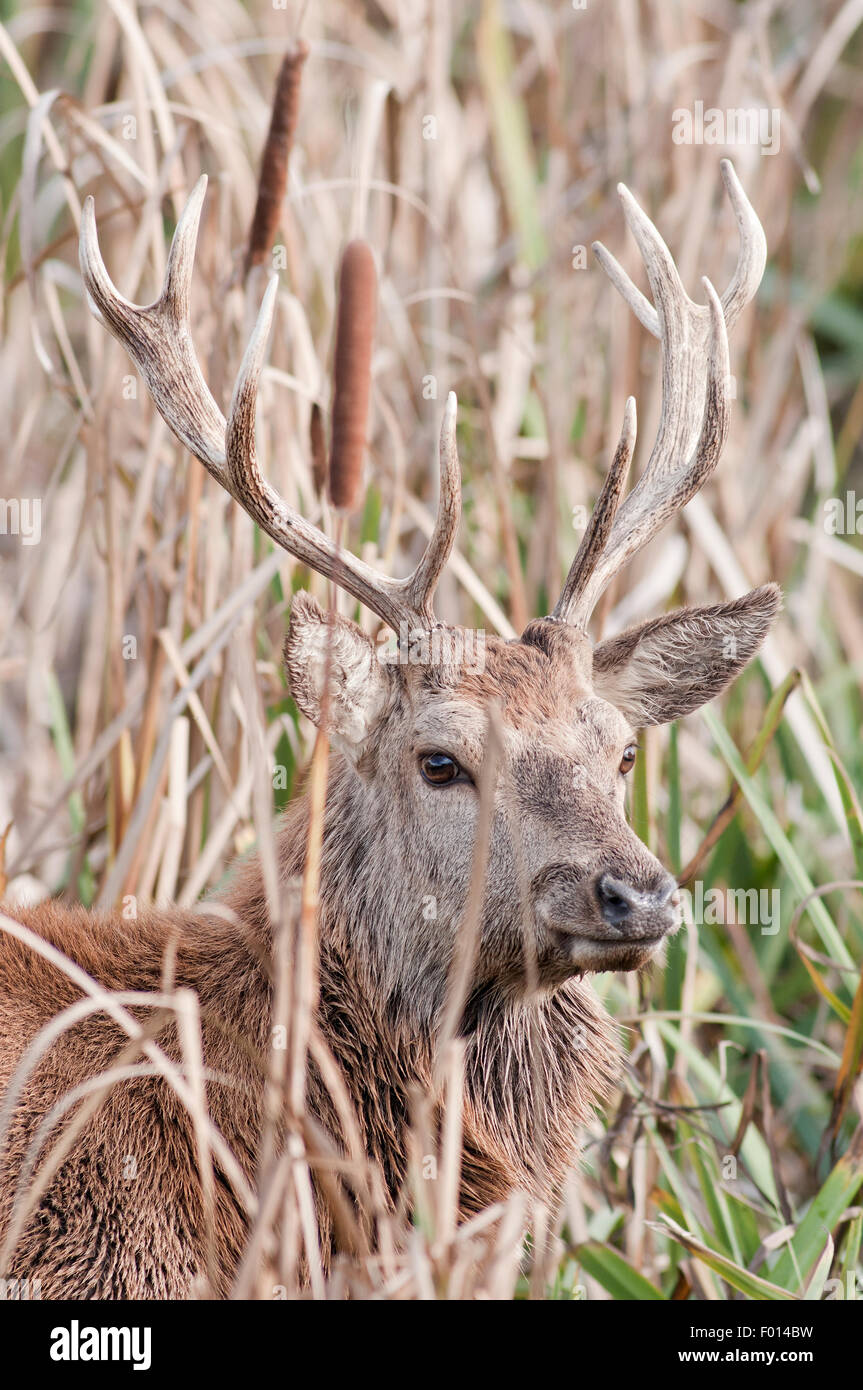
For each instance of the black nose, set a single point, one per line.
(619, 902)
(615, 899)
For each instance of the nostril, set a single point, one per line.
(614, 901)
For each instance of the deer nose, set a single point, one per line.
(623, 906)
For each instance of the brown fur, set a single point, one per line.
(98, 1234)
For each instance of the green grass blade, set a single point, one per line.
(510, 133)
(617, 1277)
(847, 792)
(815, 1287)
(784, 850)
(825, 1210)
(741, 1279)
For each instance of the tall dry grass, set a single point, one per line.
(477, 151)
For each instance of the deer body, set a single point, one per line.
(124, 1216)
(568, 888)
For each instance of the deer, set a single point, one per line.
(569, 889)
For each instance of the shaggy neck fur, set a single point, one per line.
(535, 1068)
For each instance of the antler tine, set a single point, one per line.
(396, 601)
(695, 375)
(752, 256)
(420, 586)
(157, 336)
(599, 527)
(648, 507)
(158, 339)
(638, 303)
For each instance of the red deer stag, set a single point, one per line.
(568, 883)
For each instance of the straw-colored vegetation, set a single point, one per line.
(476, 148)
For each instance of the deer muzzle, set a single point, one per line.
(607, 922)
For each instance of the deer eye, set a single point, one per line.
(439, 768)
(627, 762)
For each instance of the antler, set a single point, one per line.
(158, 339)
(694, 418)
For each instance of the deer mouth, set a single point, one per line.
(594, 954)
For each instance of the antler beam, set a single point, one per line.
(158, 339)
(695, 393)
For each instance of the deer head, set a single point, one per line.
(563, 862)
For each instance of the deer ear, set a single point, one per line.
(360, 685)
(671, 665)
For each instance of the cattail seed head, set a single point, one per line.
(274, 162)
(352, 377)
(318, 447)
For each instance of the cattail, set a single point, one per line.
(352, 378)
(277, 150)
(393, 129)
(318, 446)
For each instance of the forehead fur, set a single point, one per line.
(542, 675)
